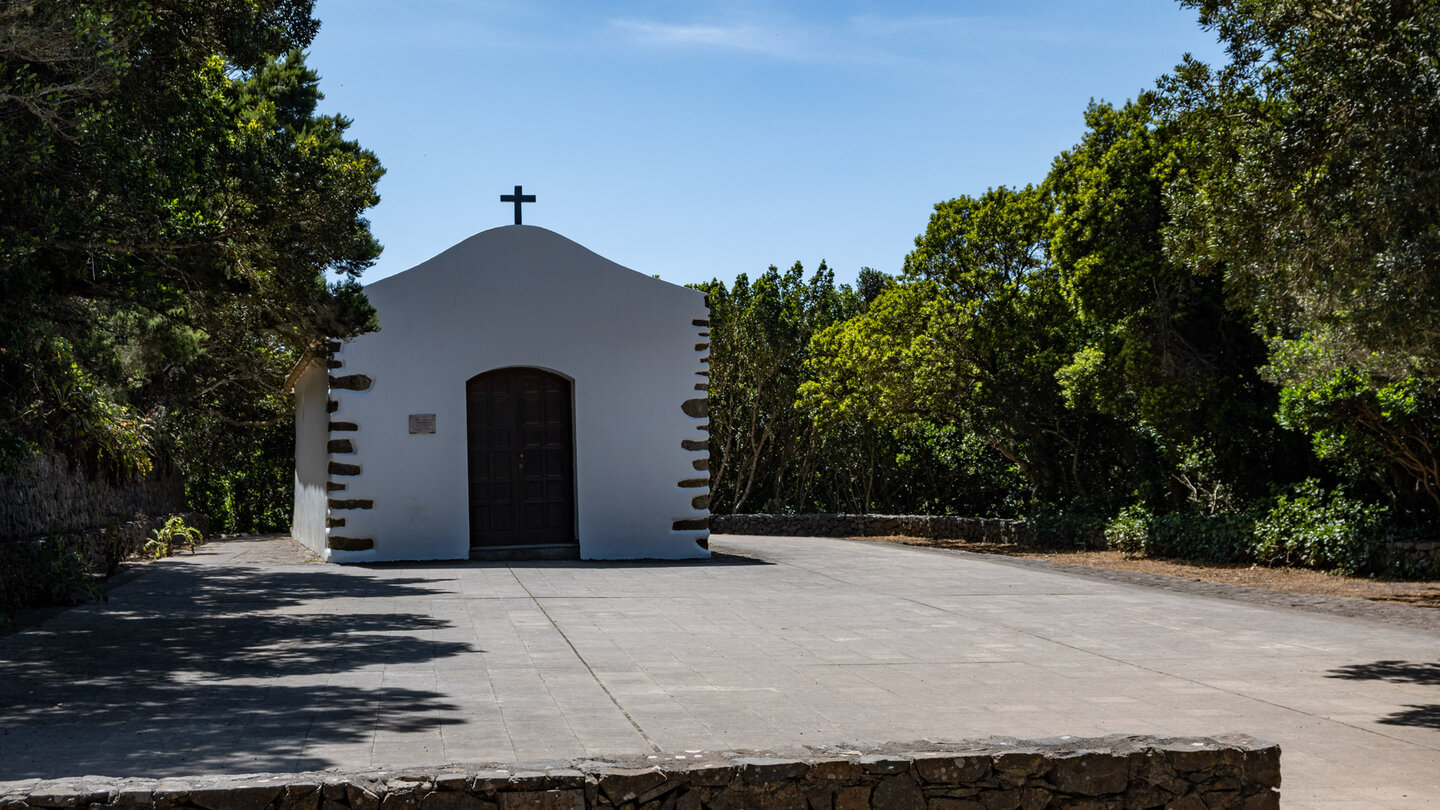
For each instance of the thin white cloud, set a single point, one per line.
(770, 40)
(913, 41)
(903, 26)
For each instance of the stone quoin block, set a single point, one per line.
(340, 446)
(351, 382)
(337, 543)
(700, 347)
(691, 444)
(332, 406)
(335, 523)
(695, 483)
(337, 427)
(356, 503)
(700, 502)
(333, 364)
(336, 468)
(698, 408)
(331, 486)
(691, 525)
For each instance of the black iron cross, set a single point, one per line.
(517, 198)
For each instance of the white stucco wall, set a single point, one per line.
(525, 296)
(312, 425)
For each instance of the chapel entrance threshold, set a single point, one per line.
(550, 551)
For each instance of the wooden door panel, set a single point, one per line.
(522, 468)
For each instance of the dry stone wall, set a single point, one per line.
(939, 527)
(60, 528)
(48, 495)
(1233, 772)
(1418, 558)
(54, 569)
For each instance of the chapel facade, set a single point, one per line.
(523, 397)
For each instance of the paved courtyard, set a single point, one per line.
(242, 658)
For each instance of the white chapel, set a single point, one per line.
(524, 397)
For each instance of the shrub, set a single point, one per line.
(1222, 537)
(174, 533)
(1072, 526)
(1129, 531)
(45, 572)
(1313, 528)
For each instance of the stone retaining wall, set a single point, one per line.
(48, 495)
(36, 571)
(1415, 558)
(940, 527)
(1232, 772)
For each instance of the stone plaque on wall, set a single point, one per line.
(422, 423)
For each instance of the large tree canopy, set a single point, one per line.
(174, 206)
(1315, 189)
(1320, 188)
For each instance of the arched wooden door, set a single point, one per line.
(522, 458)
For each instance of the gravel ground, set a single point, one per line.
(1403, 602)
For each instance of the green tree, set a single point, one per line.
(972, 336)
(175, 205)
(1163, 349)
(1316, 191)
(765, 453)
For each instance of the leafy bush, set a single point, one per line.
(174, 533)
(1224, 537)
(1078, 525)
(1213, 538)
(1316, 529)
(43, 573)
(1129, 531)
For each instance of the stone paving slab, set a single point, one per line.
(241, 660)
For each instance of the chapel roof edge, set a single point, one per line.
(504, 241)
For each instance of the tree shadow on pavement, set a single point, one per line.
(180, 673)
(1426, 673)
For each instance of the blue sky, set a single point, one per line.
(700, 140)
